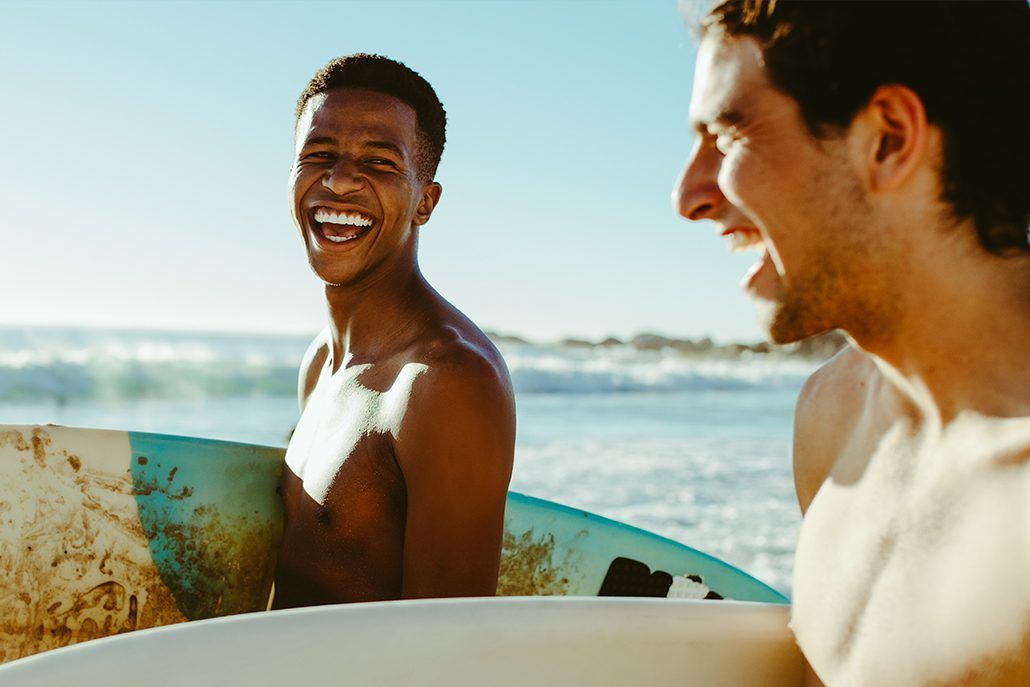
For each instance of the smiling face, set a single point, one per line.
(769, 185)
(356, 195)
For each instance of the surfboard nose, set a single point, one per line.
(104, 531)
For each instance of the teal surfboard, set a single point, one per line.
(105, 531)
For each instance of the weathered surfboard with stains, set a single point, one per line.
(550, 549)
(103, 532)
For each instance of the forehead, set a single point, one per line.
(354, 114)
(729, 79)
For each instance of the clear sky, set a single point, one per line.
(145, 146)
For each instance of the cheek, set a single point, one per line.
(736, 177)
(298, 184)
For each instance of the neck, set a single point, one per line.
(369, 319)
(959, 341)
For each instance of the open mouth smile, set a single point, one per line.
(744, 238)
(741, 239)
(340, 226)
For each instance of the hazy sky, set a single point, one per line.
(144, 152)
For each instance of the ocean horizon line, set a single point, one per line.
(820, 346)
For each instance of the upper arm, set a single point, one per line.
(822, 419)
(455, 447)
(311, 368)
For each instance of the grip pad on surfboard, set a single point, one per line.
(627, 577)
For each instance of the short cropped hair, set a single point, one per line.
(969, 62)
(393, 78)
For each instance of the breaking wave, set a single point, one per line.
(70, 365)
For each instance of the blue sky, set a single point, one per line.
(145, 149)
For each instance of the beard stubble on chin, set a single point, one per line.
(842, 281)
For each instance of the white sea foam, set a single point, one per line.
(548, 369)
(78, 364)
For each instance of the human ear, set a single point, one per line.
(898, 145)
(430, 197)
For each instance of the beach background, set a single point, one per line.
(143, 200)
(684, 438)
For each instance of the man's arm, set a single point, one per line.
(455, 447)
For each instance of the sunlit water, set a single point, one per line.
(695, 449)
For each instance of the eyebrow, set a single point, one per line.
(329, 140)
(386, 145)
(320, 140)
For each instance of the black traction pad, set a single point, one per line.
(628, 577)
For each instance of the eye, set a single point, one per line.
(318, 155)
(724, 141)
(379, 161)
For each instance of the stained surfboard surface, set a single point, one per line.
(501, 642)
(105, 531)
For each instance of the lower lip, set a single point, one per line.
(325, 244)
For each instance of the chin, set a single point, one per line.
(786, 325)
(331, 277)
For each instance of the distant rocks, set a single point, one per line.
(817, 347)
(507, 339)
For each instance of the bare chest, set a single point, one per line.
(913, 558)
(345, 434)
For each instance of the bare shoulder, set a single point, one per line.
(461, 397)
(461, 365)
(828, 410)
(311, 367)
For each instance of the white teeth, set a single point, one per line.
(340, 239)
(743, 241)
(325, 216)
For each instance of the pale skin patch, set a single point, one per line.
(353, 411)
(931, 588)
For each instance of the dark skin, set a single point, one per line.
(399, 467)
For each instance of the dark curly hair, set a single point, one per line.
(383, 75)
(969, 62)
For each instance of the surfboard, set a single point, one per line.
(501, 642)
(106, 531)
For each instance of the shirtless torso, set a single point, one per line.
(374, 511)
(913, 520)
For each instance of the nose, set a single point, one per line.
(696, 195)
(342, 177)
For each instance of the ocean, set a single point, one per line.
(695, 447)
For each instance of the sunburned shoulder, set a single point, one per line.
(828, 411)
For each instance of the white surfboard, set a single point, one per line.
(497, 642)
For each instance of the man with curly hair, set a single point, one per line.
(398, 469)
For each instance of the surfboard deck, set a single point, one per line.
(105, 531)
(502, 642)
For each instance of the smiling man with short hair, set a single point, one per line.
(399, 466)
(875, 154)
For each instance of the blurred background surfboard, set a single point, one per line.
(105, 531)
(501, 642)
